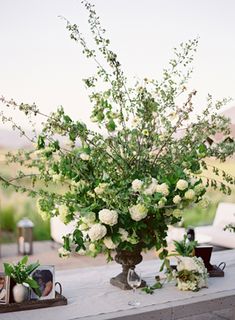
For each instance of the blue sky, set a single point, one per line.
(39, 63)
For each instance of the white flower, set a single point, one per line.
(100, 188)
(92, 247)
(63, 213)
(137, 184)
(89, 218)
(83, 227)
(152, 188)
(186, 263)
(63, 253)
(97, 232)
(177, 213)
(138, 212)
(162, 202)
(145, 132)
(124, 234)
(163, 189)
(135, 122)
(190, 194)
(108, 242)
(182, 184)
(84, 156)
(176, 199)
(109, 217)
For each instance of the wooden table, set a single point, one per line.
(90, 296)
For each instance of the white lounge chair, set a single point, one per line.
(59, 229)
(225, 214)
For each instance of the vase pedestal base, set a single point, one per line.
(120, 281)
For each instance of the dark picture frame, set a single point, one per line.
(4, 288)
(45, 277)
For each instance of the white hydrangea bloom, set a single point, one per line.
(137, 184)
(163, 189)
(186, 263)
(89, 218)
(177, 199)
(124, 234)
(100, 188)
(152, 187)
(162, 202)
(63, 253)
(189, 194)
(138, 212)
(182, 185)
(83, 227)
(108, 242)
(97, 232)
(177, 213)
(84, 156)
(109, 217)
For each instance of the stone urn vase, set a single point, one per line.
(128, 260)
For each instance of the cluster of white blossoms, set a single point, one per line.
(177, 199)
(100, 188)
(152, 187)
(163, 189)
(137, 185)
(84, 156)
(109, 217)
(97, 232)
(182, 185)
(108, 242)
(138, 212)
(189, 194)
(188, 190)
(196, 267)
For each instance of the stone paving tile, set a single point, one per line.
(226, 314)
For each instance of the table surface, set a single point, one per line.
(90, 295)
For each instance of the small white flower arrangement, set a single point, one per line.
(191, 274)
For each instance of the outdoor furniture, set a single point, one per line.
(216, 234)
(59, 229)
(90, 295)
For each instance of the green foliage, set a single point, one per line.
(185, 248)
(20, 273)
(7, 219)
(157, 285)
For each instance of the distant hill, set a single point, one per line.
(11, 139)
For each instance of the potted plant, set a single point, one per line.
(123, 185)
(20, 274)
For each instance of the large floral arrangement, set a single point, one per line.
(123, 185)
